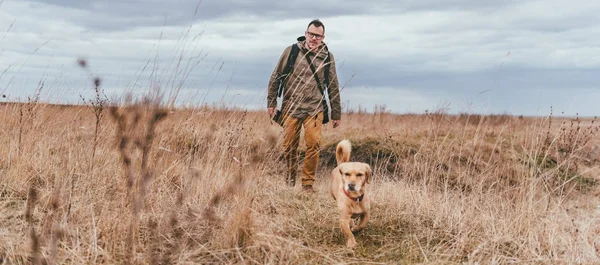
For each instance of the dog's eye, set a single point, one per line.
(347, 174)
(359, 175)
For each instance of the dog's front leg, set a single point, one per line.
(345, 226)
(364, 218)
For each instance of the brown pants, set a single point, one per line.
(291, 139)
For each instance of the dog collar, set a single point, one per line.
(357, 199)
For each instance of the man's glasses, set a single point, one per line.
(314, 35)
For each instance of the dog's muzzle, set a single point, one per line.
(351, 186)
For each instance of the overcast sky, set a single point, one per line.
(493, 56)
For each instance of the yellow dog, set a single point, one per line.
(348, 184)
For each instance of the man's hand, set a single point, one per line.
(335, 123)
(271, 112)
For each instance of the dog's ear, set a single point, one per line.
(368, 173)
(340, 169)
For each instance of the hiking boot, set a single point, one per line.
(308, 189)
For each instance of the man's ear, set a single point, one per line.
(368, 173)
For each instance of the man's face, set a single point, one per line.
(314, 36)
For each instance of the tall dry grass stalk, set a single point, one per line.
(97, 105)
(206, 185)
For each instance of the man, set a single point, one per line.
(303, 103)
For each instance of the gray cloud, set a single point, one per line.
(516, 56)
(117, 14)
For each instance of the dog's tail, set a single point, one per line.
(342, 151)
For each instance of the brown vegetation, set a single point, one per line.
(146, 185)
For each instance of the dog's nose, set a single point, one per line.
(351, 186)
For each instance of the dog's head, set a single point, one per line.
(355, 175)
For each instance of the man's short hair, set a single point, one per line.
(317, 24)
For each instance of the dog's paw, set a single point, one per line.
(355, 229)
(351, 243)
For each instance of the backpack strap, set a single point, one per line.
(288, 67)
(321, 88)
(314, 71)
(327, 63)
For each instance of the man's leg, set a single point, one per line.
(291, 140)
(312, 134)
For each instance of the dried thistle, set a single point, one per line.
(131, 120)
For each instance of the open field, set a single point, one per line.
(88, 185)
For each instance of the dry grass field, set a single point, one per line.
(141, 185)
